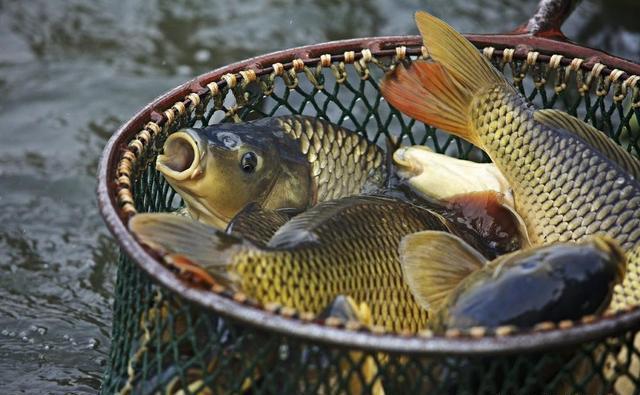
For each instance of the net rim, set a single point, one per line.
(453, 343)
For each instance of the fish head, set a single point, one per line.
(441, 177)
(221, 169)
(409, 161)
(594, 253)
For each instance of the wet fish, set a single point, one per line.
(474, 193)
(281, 162)
(569, 181)
(485, 216)
(343, 247)
(461, 289)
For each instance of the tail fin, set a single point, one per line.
(440, 93)
(189, 245)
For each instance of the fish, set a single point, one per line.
(554, 282)
(441, 177)
(290, 162)
(486, 222)
(569, 180)
(346, 247)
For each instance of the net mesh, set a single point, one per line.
(161, 343)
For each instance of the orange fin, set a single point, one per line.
(426, 92)
(189, 269)
(441, 93)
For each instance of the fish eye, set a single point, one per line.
(249, 162)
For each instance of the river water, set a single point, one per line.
(71, 71)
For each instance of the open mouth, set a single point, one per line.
(181, 156)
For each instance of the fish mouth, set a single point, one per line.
(182, 155)
(405, 162)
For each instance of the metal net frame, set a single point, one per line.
(170, 337)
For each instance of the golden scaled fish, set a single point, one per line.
(461, 289)
(281, 162)
(569, 181)
(343, 247)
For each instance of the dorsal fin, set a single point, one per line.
(434, 263)
(300, 229)
(593, 136)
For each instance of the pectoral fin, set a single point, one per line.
(434, 263)
(346, 309)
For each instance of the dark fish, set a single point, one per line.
(461, 289)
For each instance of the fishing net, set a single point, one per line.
(163, 342)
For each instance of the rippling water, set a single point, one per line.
(72, 71)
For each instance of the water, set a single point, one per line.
(71, 71)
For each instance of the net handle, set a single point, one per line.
(548, 20)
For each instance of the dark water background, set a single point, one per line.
(71, 71)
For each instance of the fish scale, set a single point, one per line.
(604, 200)
(334, 154)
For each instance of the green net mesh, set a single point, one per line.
(164, 344)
